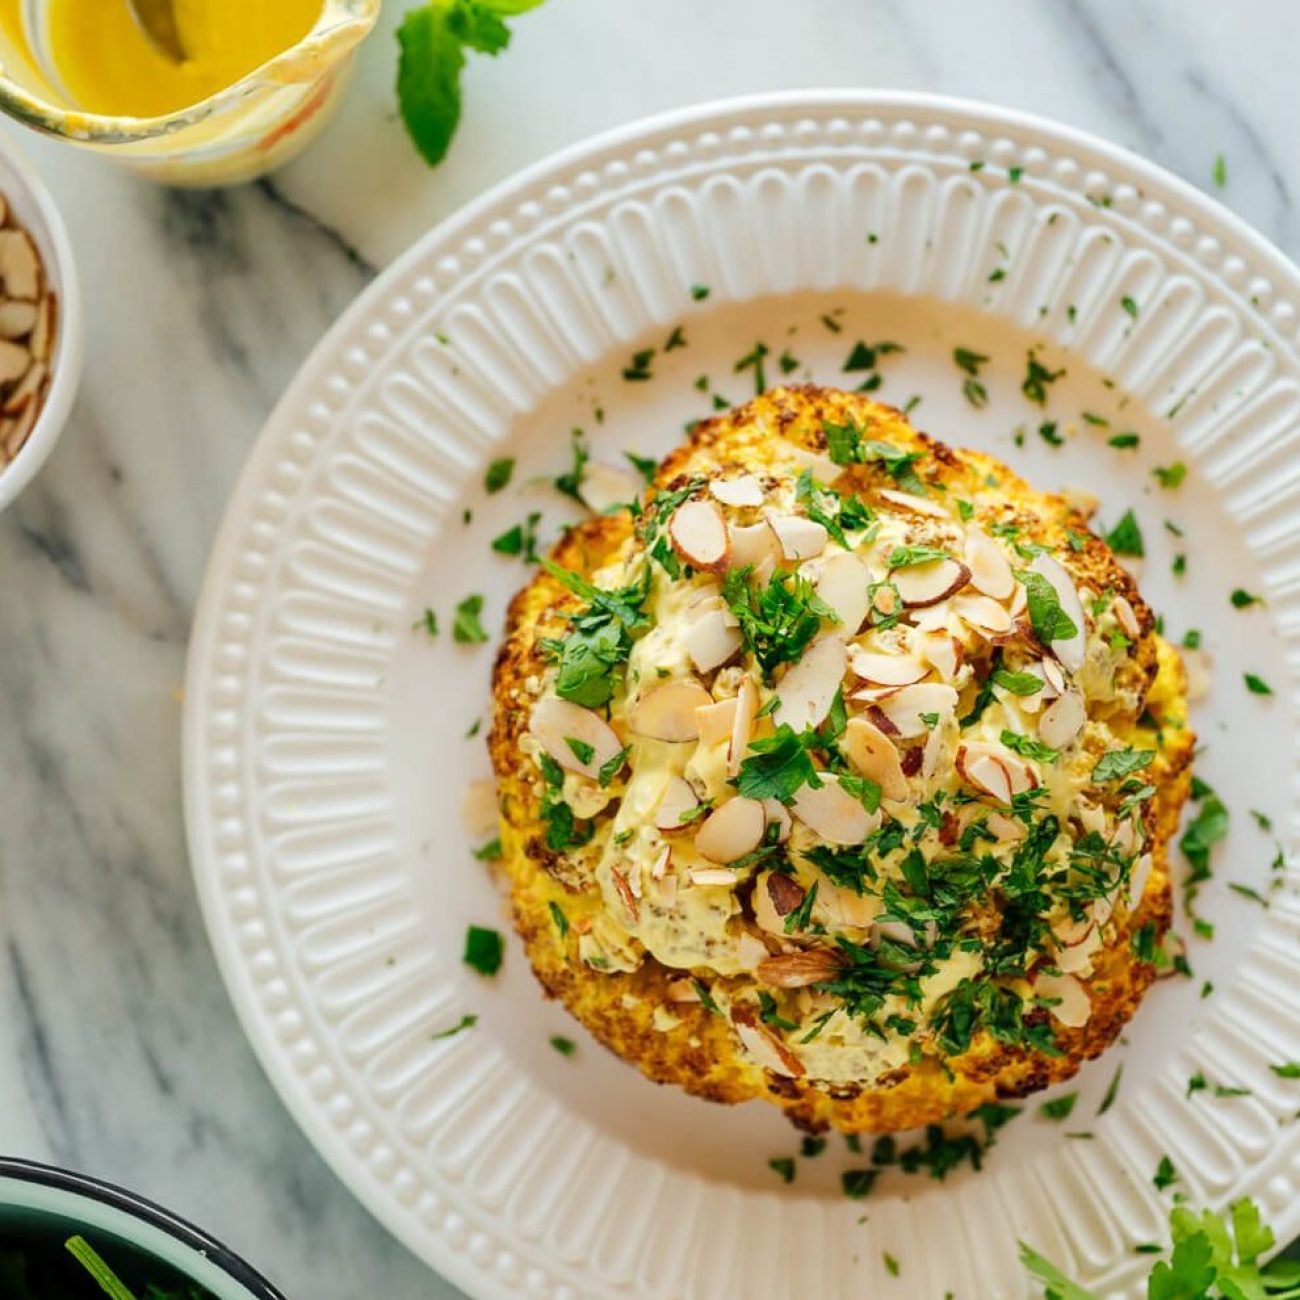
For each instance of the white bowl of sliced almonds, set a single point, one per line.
(40, 324)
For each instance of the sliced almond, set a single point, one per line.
(1006, 829)
(682, 990)
(555, 722)
(17, 319)
(798, 970)
(945, 653)
(604, 488)
(843, 585)
(1076, 958)
(886, 669)
(798, 538)
(990, 570)
(1070, 650)
(917, 505)
(28, 389)
(773, 898)
(43, 332)
(627, 895)
(1062, 720)
(715, 876)
(982, 613)
(875, 756)
(732, 830)
(742, 725)
(1051, 673)
(14, 359)
(1072, 1005)
(668, 712)
(806, 692)
(927, 584)
(824, 469)
(980, 767)
(763, 1046)
(478, 810)
(785, 892)
(20, 267)
(715, 722)
(677, 802)
(908, 709)
(752, 544)
(832, 813)
(743, 491)
(711, 640)
(1137, 881)
(1126, 617)
(699, 535)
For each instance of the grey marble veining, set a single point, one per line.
(119, 1052)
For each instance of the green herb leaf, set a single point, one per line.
(1117, 763)
(1059, 1108)
(428, 78)
(1126, 537)
(498, 474)
(778, 766)
(466, 628)
(565, 1046)
(1257, 685)
(558, 916)
(484, 950)
(1170, 476)
(1018, 683)
(1049, 620)
(465, 1022)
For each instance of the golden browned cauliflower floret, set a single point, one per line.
(840, 772)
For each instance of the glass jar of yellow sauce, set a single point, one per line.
(259, 79)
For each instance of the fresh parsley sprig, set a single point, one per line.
(433, 39)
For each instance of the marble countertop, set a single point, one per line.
(119, 1051)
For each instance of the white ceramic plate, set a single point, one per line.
(325, 739)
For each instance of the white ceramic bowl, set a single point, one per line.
(34, 209)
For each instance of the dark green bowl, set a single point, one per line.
(42, 1207)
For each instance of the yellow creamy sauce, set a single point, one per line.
(107, 65)
(701, 927)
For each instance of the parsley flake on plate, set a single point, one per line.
(467, 628)
(484, 950)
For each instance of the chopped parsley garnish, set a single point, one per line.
(1018, 683)
(580, 749)
(467, 628)
(498, 474)
(904, 557)
(783, 1167)
(638, 369)
(558, 916)
(565, 1046)
(969, 363)
(1124, 441)
(857, 1183)
(484, 950)
(1047, 432)
(520, 540)
(1112, 1090)
(1059, 1108)
(770, 1014)
(699, 292)
(834, 512)
(705, 997)
(1256, 685)
(1129, 305)
(1170, 476)
(1118, 763)
(592, 655)
(570, 482)
(465, 1022)
(489, 852)
(644, 465)
(1126, 537)
(1247, 892)
(677, 339)
(428, 621)
(777, 622)
(1207, 828)
(1165, 1175)
(753, 360)
(1242, 599)
(788, 362)
(1289, 1070)
(563, 829)
(1049, 620)
(1037, 378)
(891, 1264)
(1028, 747)
(612, 767)
(778, 766)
